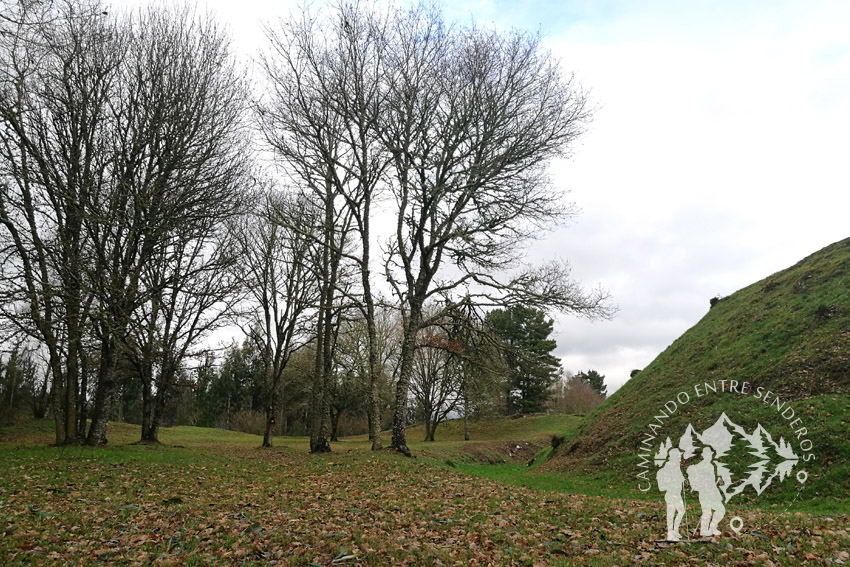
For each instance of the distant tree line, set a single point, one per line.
(457, 374)
(374, 266)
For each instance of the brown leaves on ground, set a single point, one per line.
(239, 506)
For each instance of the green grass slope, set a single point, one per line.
(788, 334)
(535, 428)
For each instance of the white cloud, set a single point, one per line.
(716, 158)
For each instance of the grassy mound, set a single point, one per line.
(783, 342)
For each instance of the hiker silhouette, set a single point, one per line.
(702, 477)
(670, 482)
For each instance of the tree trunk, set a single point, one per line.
(82, 417)
(374, 376)
(73, 304)
(147, 405)
(408, 349)
(429, 433)
(153, 432)
(318, 388)
(375, 412)
(55, 406)
(71, 385)
(103, 394)
(319, 406)
(167, 375)
(434, 425)
(399, 440)
(335, 415)
(322, 444)
(270, 422)
(371, 333)
(324, 349)
(156, 413)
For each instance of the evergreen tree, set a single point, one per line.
(527, 348)
(595, 380)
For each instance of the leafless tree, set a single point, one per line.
(459, 124)
(322, 119)
(274, 244)
(355, 388)
(58, 69)
(193, 289)
(476, 350)
(573, 396)
(116, 134)
(178, 156)
(472, 119)
(436, 379)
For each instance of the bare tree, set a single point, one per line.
(460, 124)
(472, 119)
(476, 350)
(346, 396)
(436, 379)
(193, 289)
(322, 119)
(572, 395)
(57, 75)
(355, 388)
(274, 244)
(116, 133)
(178, 154)
(331, 276)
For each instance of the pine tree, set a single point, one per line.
(595, 380)
(527, 351)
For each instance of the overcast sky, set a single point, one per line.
(719, 153)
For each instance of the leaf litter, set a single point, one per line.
(245, 506)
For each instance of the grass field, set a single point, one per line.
(212, 497)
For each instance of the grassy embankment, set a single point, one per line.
(788, 334)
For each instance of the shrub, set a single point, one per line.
(249, 421)
(824, 312)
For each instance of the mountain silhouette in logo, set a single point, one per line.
(723, 435)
